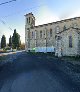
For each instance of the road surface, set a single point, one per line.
(36, 73)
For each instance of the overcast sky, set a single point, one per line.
(12, 14)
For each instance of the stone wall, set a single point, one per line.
(47, 41)
(68, 51)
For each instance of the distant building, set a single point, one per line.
(61, 37)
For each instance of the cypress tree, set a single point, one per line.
(3, 41)
(10, 41)
(15, 40)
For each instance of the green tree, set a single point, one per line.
(10, 41)
(16, 40)
(3, 41)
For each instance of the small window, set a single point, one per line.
(29, 19)
(50, 32)
(70, 41)
(40, 34)
(33, 21)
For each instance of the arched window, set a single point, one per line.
(29, 19)
(50, 32)
(70, 41)
(41, 34)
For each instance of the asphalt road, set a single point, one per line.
(36, 73)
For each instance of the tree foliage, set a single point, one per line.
(22, 46)
(15, 40)
(10, 41)
(3, 41)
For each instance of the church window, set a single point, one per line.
(40, 34)
(70, 41)
(50, 32)
(29, 19)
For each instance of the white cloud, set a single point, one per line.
(45, 16)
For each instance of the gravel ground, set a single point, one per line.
(71, 68)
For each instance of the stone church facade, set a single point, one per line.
(61, 37)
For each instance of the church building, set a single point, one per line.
(61, 37)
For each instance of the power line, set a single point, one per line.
(4, 23)
(18, 12)
(7, 2)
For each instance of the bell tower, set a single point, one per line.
(30, 20)
(29, 23)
